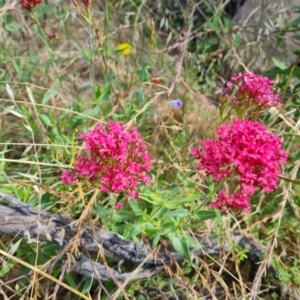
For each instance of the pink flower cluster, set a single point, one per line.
(243, 149)
(30, 4)
(253, 91)
(117, 160)
(235, 201)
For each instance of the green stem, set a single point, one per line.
(49, 50)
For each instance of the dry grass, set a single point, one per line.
(37, 153)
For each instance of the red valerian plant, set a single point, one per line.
(235, 201)
(253, 93)
(30, 4)
(117, 160)
(85, 2)
(246, 151)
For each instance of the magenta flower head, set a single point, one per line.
(234, 201)
(119, 206)
(253, 93)
(30, 4)
(246, 151)
(85, 2)
(116, 160)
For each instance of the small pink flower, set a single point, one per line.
(85, 2)
(30, 4)
(119, 206)
(256, 89)
(253, 94)
(68, 178)
(116, 160)
(235, 201)
(246, 151)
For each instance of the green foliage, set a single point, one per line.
(287, 275)
(54, 89)
(241, 254)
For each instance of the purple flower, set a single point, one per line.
(175, 103)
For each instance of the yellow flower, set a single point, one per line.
(124, 49)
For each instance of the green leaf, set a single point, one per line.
(15, 247)
(135, 230)
(50, 94)
(16, 67)
(156, 239)
(135, 207)
(47, 8)
(151, 227)
(101, 211)
(152, 198)
(219, 216)
(97, 92)
(71, 281)
(46, 120)
(12, 26)
(87, 285)
(6, 267)
(203, 215)
(94, 112)
(175, 203)
(123, 216)
(158, 213)
(190, 241)
(180, 213)
(167, 230)
(83, 53)
(105, 93)
(140, 96)
(180, 245)
(144, 75)
(279, 64)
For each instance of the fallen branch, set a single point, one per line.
(19, 218)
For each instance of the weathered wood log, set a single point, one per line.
(18, 218)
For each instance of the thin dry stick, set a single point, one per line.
(28, 162)
(99, 39)
(265, 263)
(35, 269)
(183, 53)
(61, 278)
(56, 108)
(84, 215)
(267, 260)
(97, 274)
(117, 293)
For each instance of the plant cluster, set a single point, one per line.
(117, 136)
(117, 160)
(30, 5)
(246, 151)
(243, 150)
